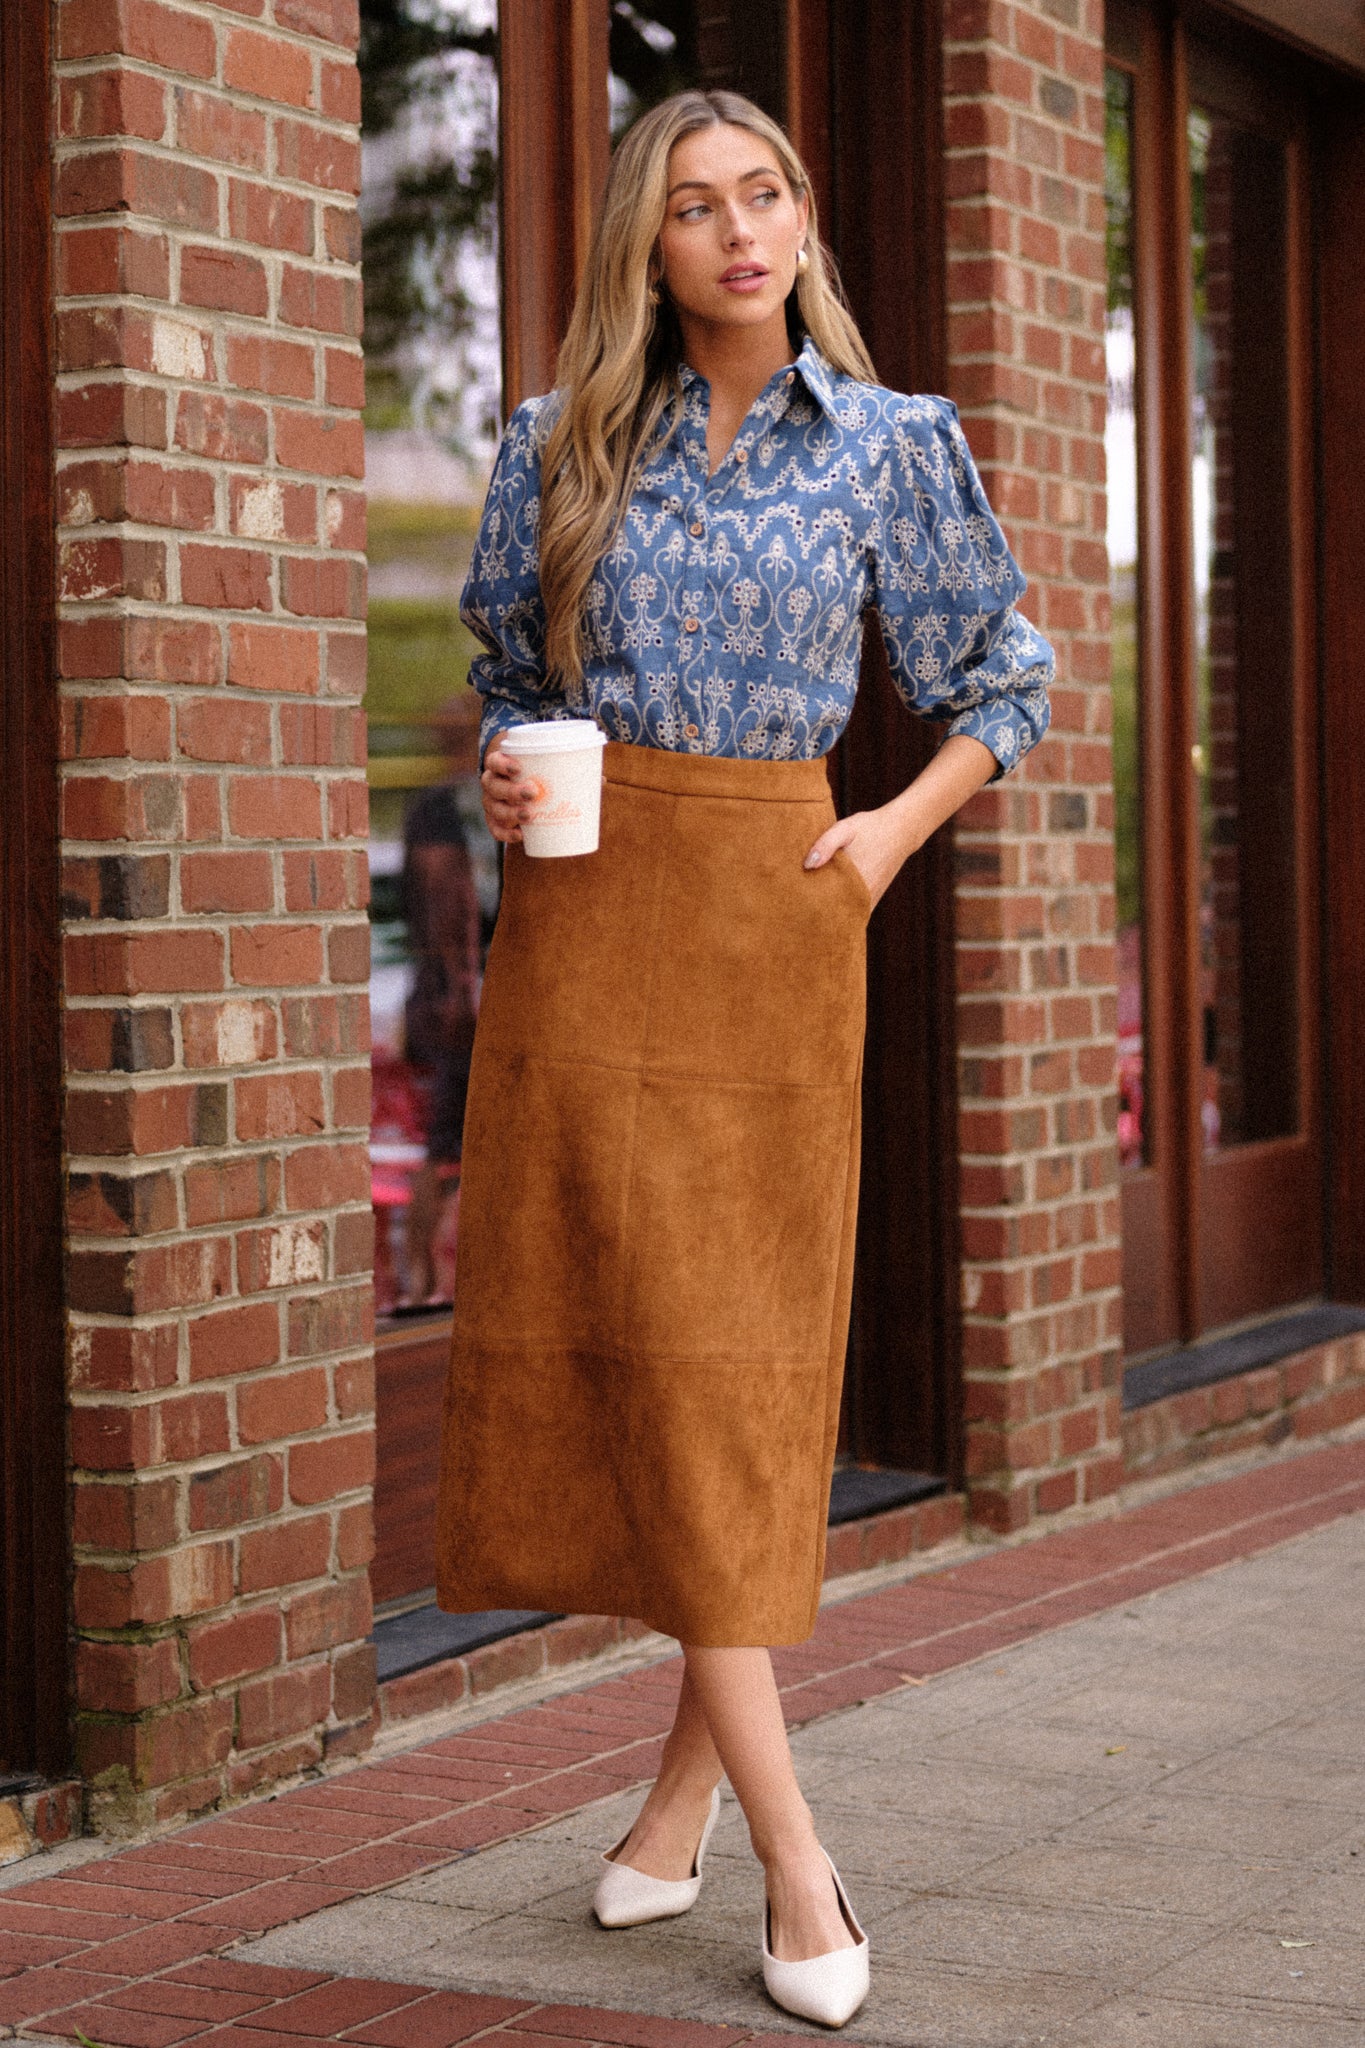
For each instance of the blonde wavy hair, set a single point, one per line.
(618, 367)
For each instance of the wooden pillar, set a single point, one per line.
(555, 145)
(34, 1733)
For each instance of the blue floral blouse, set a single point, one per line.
(726, 617)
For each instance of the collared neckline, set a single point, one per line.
(814, 371)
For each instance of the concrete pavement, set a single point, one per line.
(1145, 1828)
(1101, 1787)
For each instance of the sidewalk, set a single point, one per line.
(1130, 1783)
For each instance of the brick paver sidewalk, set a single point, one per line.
(128, 1948)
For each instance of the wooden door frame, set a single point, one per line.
(1340, 197)
(1160, 1199)
(1174, 1206)
(554, 145)
(34, 1550)
(1284, 1262)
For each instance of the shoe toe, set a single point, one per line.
(828, 1989)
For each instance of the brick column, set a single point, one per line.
(1024, 123)
(216, 951)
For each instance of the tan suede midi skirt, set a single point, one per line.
(659, 1195)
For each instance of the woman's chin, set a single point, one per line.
(737, 309)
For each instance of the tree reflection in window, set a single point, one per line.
(433, 348)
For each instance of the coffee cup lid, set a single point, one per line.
(554, 736)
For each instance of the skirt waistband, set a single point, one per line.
(716, 775)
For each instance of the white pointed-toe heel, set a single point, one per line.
(628, 1898)
(827, 1988)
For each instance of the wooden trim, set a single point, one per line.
(411, 1365)
(1303, 384)
(554, 139)
(1157, 1216)
(587, 31)
(808, 61)
(1340, 197)
(1176, 718)
(1262, 1201)
(33, 1619)
(1334, 29)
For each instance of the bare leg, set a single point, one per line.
(737, 1692)
(729, 1714)
(663, 1841)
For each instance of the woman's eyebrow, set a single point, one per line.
(701, 185)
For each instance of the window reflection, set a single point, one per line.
(434, 388)
(653, 53)
(1244, 642)
(660, 47)
(1121, 446)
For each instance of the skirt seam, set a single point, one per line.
(618, 1354)
(628, 1263)
(712, 796)
(692, 1076)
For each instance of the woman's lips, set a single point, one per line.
(744, 281)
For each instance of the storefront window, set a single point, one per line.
(434, 399)
(1244, 641)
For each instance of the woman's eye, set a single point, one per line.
(692, 212)
(768, 195)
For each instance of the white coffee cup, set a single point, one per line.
(563, 758)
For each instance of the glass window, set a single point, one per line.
(653, 54)
(433, 349)
(660, 47)
(1244, 638)
(1121, 450)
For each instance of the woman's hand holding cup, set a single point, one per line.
(507, 794)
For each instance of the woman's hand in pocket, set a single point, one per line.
(874, 841)
(878, 842)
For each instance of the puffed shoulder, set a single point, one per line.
(528, 427)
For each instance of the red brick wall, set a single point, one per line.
(212, 662)
(1310, 1394)
(1024, 125)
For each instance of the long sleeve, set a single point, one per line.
(946, 588)
(501, 602)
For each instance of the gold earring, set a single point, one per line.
(802, 259)
(654, 296)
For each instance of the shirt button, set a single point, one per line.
(741, 455)
(691, 625)
(696, 529)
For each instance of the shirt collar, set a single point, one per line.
(814, 372)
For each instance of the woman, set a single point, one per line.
(661, 1147)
